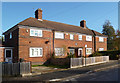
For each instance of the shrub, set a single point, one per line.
(70, 55)
(95, 54)
(113, 55)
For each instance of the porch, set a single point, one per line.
(6, 54)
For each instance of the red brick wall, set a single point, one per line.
(2, 54)
(22, 41)
(101, 44)
(13, 42)
(26, 41)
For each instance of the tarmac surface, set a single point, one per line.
(63, 74)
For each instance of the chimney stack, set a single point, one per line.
(38, 14)
(83, 23)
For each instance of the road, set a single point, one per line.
(108, 75)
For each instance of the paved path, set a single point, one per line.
(59, 74)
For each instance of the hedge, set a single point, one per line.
(113, 54)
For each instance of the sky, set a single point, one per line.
(95, 13)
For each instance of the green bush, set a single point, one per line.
(70, 55)
(113, 55)
(95, 54)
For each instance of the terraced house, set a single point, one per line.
(36, 40)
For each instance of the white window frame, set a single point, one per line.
(10, 35)
(79, 37)
(8, 58)
(89, 49)
(72, 50)
(88, 38)
(40, 54)
(101, 49)
(101, 39)
(60, 54)
(39, 33)
(71, 36)
(59, 35)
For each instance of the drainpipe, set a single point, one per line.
(53, 40)
(94, 36)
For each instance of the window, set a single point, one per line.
(101, 39)
(59, 52)
(101, 49)
(72, 51)
(10, 35)
(36, 52)
(71, 36)
(35, 32)
(80, 37)
(88, 51)
(59, 35)
(88, 38)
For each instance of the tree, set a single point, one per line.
(117, 40)
(110, 32)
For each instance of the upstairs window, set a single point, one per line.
(59, 52)
(101, 39)
(36, 52)
(37, 33)
(59, 35)
(71, 36)
(80, 37)
(88, 38)
(10, 35)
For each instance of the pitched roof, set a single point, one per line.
(33, 22)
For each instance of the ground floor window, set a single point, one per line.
(36, 52)
(59, 52)
(72, 51)
(101, 49)
(88, 51)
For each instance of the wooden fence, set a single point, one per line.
(79, 62)
(15, 69)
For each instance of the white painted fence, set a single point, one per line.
(79, 62)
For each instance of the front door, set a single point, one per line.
(80, 52)
(8, 55)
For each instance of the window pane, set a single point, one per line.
(8, 53)
(36, 33)
(59, 51)
(88, 50)
(59, 35)
(72, 51)
(10, 35)
(71, 36)
(80, 37)
(101, 39)
(40, 33)
(32, 51)
(88, 38)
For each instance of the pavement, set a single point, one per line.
(59, 75)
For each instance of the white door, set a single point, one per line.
(80, 53)
(8, 55)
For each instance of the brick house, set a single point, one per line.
(36, 40)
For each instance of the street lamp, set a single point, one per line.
(85, 54)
